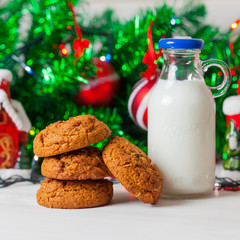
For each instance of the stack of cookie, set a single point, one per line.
(74, 172)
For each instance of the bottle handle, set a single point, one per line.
(219, 90)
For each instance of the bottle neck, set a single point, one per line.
(181, 64)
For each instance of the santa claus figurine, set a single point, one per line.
(231, 108)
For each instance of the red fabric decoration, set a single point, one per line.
(150, 58)
(79, 44)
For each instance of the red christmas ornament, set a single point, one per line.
(100, 91)
(14, 123)
(138, 99)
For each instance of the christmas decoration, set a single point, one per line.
(138, 100)
(8, 181)
(227, 184)
(231, 151)
(37, 46)
(79, 44)
(14, 126)
(64, 50)
(151, 57)
(100, 90)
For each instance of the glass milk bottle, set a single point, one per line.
(181, 119)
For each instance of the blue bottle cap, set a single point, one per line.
(181, 43)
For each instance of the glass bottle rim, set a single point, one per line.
(179, 51)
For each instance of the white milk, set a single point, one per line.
(181, 136)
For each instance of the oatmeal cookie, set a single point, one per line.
(65, 136)
(74, 194)
(82, 164)
(133, 169)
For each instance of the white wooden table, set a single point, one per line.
(209, 218)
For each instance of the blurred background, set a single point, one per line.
(219, 12)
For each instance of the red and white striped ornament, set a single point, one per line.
(138, 101)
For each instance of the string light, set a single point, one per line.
(103, 58)
(23, 65)
(63, 50)
(175, 21)
(28, 70)
(108, 57)
(32, 132)
(234, 25)
(227, 184)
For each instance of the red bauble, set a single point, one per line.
(100, 91)
(138, 101)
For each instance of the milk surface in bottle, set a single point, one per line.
(181, 122)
